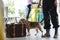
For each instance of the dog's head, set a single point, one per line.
(22, 20)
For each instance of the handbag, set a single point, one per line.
(33, 14)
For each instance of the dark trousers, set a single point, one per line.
(50, 12)
(29, 9)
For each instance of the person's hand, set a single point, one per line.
(39, 3)
(55, 2)
(38, 6)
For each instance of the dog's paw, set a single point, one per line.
(35, 34)
(28, 35)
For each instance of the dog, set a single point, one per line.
(28, 26)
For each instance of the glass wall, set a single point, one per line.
(15, 10)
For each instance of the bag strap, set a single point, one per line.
(14, 30)
(22, 29)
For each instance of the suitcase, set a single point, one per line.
(15, 30)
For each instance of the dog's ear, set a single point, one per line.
(20, 21)
(23, 20)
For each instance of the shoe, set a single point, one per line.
(55, 36)
(47, 34)
(56, 33)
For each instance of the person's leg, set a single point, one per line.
(29, 9)
(46, 21)
(54, 19)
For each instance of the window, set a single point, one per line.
(15, 10)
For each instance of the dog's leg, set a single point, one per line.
(36, 31)
(28, 28)
(40, 28)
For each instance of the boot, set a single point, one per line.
(56, 33)
(47, 34)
